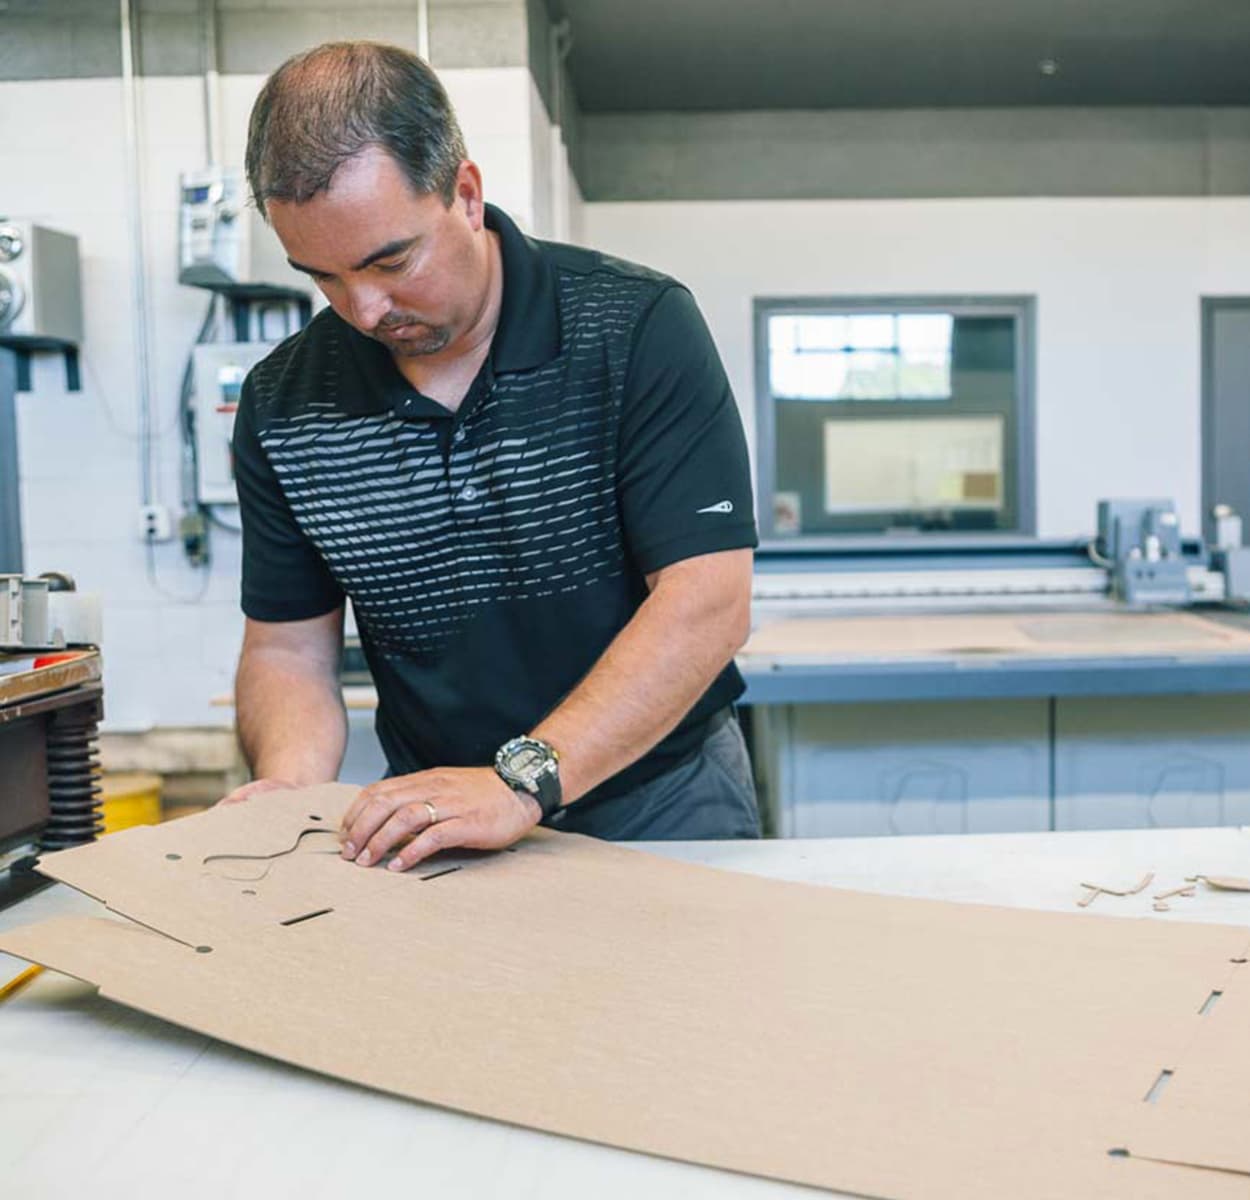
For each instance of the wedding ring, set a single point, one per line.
(432, 811)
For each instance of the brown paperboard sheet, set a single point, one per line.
(876, 1045)
(1049, 635)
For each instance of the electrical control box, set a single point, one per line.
(218, 371)
(40, 284)
(214, 230)
(223, 242)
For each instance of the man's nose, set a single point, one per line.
(369, 304)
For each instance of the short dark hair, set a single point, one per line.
(326, 105)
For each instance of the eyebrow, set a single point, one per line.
(386, 251)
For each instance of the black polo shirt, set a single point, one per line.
(491, 555)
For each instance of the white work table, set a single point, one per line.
(98, 1100)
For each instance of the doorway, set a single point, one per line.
(1225, 407)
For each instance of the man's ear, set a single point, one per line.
(469, 193)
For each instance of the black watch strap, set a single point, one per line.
(549, 794)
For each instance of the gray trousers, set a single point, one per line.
(710, 795)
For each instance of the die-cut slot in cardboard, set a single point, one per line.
(889, 1047)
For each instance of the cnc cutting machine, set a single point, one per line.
(995, 684)
(1137, 560)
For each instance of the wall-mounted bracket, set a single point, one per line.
(24, 350)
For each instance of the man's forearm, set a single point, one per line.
(657, 667)
(292, 724)
(654, 671)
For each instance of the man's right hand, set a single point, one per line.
(247, 790)
(292, 724)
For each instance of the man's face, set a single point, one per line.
(403, 268)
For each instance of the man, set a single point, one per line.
(522, 464)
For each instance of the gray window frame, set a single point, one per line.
(1211, 308)
(1022, 308)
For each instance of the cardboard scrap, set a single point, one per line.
(1186, 890)
(1094, 890)
(1223, 883)
(871, 1044)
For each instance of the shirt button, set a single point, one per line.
(469, 493)
(458, 436)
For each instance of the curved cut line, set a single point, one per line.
(262, 863)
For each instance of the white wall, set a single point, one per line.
(61, 164)
(494, 107)
(170, 640)
(557, 199)
(1117, 283)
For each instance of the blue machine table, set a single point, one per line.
(990, 692)
(907, 656)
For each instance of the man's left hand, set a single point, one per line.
(435, 810)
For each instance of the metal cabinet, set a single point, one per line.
(1140, 762)
(904, 768)
(989, 766)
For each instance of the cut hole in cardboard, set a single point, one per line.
(1156, 1088)
(251, 868)
(439, 874)
(1209, 1003)
(321, 912)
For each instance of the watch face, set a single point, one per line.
(526, 760)
(526, 763)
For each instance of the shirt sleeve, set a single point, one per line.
(284, 577)
(684, 482)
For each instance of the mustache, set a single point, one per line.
(398, 320)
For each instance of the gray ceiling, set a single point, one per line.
(657, 55)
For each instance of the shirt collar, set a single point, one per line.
(528, 332)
